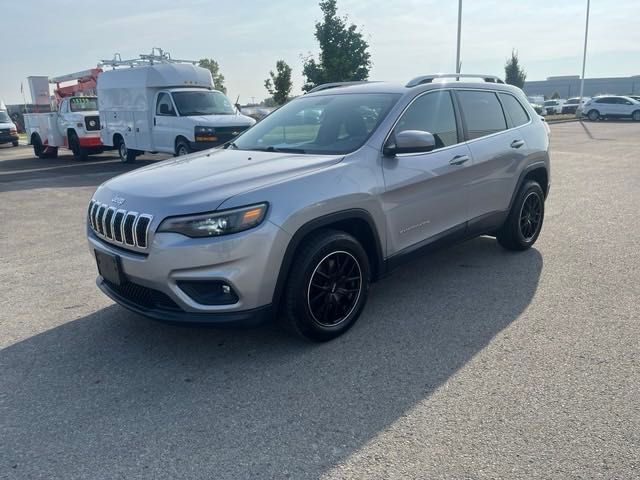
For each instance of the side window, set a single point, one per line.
(164, 105)
(606, 100)
(514, 109)
(482, 113)
(433, 113)
(63, 106)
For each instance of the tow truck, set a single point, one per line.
(74, 124)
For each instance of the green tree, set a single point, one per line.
(218, 79)
(555, 96)
(513, 73)
(344, 52)
(279, 84)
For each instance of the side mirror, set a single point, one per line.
(410, 141)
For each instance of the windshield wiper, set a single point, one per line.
(271, 148)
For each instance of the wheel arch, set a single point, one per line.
(537, 172)
(178, 139)
(357, 222)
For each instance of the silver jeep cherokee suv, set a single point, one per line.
(301, 212)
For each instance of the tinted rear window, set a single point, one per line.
(514, 109)
(482, 113)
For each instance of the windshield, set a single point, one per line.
(550, 103)
(4, 117)
(573, 100)
(203, 102)
(327, 124)
(83, 104)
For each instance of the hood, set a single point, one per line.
(220, 120)
(200, 182)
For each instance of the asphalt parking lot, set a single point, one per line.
(470, 363)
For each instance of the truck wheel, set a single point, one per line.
(182, 148)
(327, 287)
(15, 144)
(126, 155)
(79, 153)
(38, 148)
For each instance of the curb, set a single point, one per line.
(563, 121)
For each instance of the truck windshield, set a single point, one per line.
(4, 117)
(323, 124)
(204, 102)
(83, 104)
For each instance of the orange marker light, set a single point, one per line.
(251, 215)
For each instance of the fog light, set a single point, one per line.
(209, 292)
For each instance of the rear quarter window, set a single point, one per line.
(514, 110)
(482, 113)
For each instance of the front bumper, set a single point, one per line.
(248, 261)
(90, 141)
(8, 138)
(198, 146)
(252, 317)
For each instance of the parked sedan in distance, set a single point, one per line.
(611, 106)
(572, 104)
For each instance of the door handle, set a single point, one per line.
(154, 121)
(517, 143)
(459, 160)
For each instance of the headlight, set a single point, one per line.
(205, 134)
(214, 224)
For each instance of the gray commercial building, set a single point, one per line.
(569, 86)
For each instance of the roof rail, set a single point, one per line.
(157, 55)
(326, 86)
(430, 78)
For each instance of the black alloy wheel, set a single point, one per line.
(334, 288)
(530, 216)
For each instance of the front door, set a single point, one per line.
(163, 131)
(426, 194)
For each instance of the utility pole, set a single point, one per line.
(584, 57)
(458, 65)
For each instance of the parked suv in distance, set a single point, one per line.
(611, 106)
(296, 216)
(571, 105)
(553, 107)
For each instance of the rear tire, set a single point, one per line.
(126, 155)
(593, 115)
(79, 153)
(636, 116)
(524, 223)
(15, 144)
(327, 286)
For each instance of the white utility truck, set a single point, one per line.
(157, 104)
(74, 124)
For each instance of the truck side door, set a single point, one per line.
(62, 122)
(163, 131)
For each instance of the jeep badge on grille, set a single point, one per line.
(118, 200)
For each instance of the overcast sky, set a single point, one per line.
(407, 37)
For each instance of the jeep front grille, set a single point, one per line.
(129, 229)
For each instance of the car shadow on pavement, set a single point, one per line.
(113, 395)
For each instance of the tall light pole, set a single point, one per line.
(458, 65)
(584, 57)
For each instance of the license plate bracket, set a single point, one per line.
(109, 267)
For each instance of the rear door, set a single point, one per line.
(426, 194)
(497, 151)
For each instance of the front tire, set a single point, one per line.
(182, 148)
(79, 153)
(524, 223)
(16, 143)
(327, 287)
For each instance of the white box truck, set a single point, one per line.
(164, 106)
